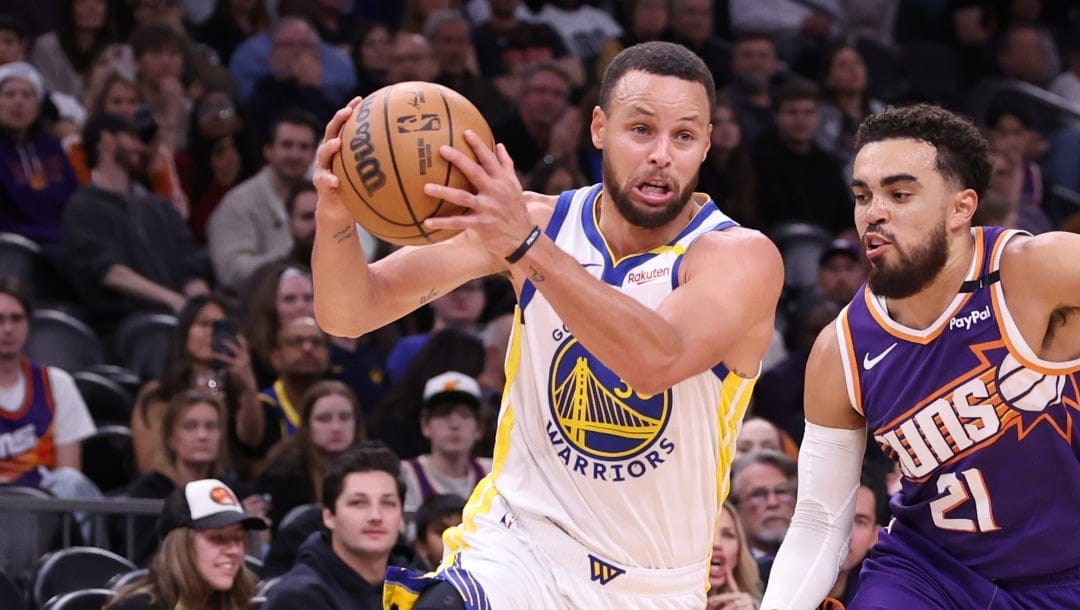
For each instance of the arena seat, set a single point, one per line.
(108, 458)
(85, 599)
(107, 401)
(74, 569)
(60, 339)
(142, 341)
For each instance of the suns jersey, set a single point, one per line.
(26, 432)
(985, 432)
(635, 478)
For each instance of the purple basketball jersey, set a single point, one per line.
(986, 433)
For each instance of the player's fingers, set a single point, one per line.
(459, 197)
(471, 169)
(326, 151)
(324, 179)
(484, 156)
(504, 159)
(333, 127)
(457, 223)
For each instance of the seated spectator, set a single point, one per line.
(455, 58)
(217, 158)
(232, 22)
(203, 71)
(301, 358)
(734, 581)
(43, 419)
(128, 251)
(36, 179)
(584, 28)
(193, 440)
(645, 20)
(507, 45)
(330, 424)
(450, 421)
(13, 39)
(411, 59)
(871, 514)
(248, 229)
(1010, 129)
(276, 293)
(459, 309)
(159, 69)
(692, 26)
(763, 489)
(371, 56)
(344, 566)
(727, 175)
(251, 61)
(841, 272)
(796, 179)
(64, 55)
(845, 102)
(435, 516)
(193, 365)
(757, 434)
(396, 421)
(117, 94)
(295, 79)
(754, 70)
(200, 563)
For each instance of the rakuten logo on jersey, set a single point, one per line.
(967, 321)
(645, 276)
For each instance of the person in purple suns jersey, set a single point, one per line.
(961, 356)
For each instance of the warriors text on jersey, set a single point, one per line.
(636, 479)
(986, 433)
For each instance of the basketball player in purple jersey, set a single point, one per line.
(962, 358)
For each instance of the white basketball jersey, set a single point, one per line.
(636, 479)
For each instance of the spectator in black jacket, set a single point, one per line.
(362, 498)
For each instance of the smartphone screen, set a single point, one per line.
(224, 329)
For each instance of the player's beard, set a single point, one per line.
(914, 271)
(643, 217)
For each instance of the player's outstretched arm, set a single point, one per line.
(352, 297)
(830, 461)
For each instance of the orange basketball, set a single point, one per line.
(390, 149)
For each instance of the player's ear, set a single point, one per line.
(597, 126)
(964, 204)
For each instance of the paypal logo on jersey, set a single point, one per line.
(970, 319)
(601, 427)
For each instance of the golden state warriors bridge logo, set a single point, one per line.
(601, 427)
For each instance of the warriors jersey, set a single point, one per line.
(26, 432)
(636, 479)
(985, 432)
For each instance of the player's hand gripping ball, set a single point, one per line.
(390, 149)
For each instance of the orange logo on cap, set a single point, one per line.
(222, 496)
(450, 385)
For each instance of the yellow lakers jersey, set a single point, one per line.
(636, 478)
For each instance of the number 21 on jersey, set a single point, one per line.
(956, 489)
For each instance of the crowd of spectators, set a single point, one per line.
(157, 154)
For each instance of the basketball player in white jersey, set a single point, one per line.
(643, 314)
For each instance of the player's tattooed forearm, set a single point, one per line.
(535, 275)
(429, 297)
(344, 233)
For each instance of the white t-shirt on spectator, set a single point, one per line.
(71, 420)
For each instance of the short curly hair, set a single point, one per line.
(962, 152)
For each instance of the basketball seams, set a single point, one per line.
(397, 173)
(358, 192)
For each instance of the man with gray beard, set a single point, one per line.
(763, 489)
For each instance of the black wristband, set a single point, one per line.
(516, 255)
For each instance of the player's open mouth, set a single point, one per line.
(875, 244)
(656, 191)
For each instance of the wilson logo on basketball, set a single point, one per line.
(221, 495)
(367, 166)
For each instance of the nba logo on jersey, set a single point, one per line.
(603, 428)
(602, 571)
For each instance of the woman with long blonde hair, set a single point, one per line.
(200, 564)
(734, 580)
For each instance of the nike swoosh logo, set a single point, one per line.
(869, 363)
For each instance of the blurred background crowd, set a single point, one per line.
(157, 219)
